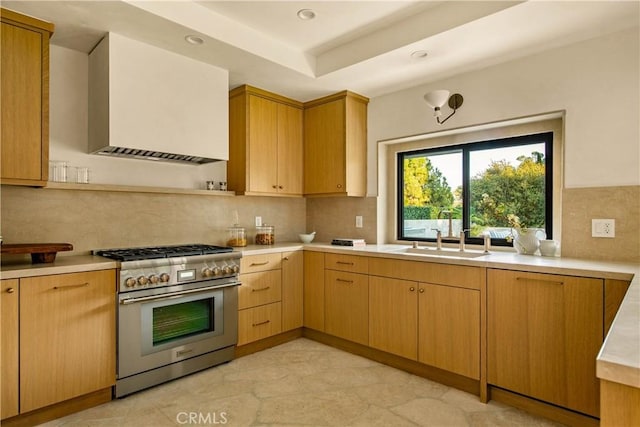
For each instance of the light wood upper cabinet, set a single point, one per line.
(313, 296)
(24, 123)
(67, 336)
(335, 145)
(265, 138)
(544, 333)
(292, 290)
(9, 348)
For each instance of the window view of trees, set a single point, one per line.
(514, 185)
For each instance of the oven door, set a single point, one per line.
(158, 330)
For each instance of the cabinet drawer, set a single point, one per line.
(460, 276)
(259, 322)
(352, 263)
(253, 263)
(263, 287)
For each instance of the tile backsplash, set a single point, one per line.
(102, 219)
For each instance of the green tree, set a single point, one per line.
(424, 185)
(504, 189)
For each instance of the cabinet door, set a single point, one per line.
(544, 333)
(292, 288)
(347, 305)
(449, 329)
(313, 296)
(9, 348)
(393, 316)
(67, 336)
(263, 145)
(290, 158)
(22, 103)
(324, 148)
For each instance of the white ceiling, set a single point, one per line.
(363, 46)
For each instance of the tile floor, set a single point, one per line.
(301, 383)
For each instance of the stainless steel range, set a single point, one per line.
(177, 311)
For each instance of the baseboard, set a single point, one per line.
(542, 409)
(438, 375)
(59, 410)
(263, 344)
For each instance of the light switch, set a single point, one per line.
(603, 228)
(358, 221)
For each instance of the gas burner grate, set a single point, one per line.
(155, 252)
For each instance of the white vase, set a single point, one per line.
(527, 241)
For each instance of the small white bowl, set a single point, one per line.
(307, 238)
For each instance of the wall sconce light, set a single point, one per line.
(437, 99)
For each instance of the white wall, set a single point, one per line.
(68, 129)
(595, 82)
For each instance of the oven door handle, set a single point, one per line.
(177, 294)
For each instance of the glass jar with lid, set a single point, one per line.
(265, 235)
(237, 236)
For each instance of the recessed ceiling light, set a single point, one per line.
(193, 39)
(306, 14)
(419, 54)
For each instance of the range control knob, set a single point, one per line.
(142, 280)
(207, 272)
(153, 279)
(236, 268)
(226, 269)
(217, 271)
(130, 282)
(164, 277)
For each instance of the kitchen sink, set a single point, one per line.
(445, 252)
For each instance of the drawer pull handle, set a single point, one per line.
(80, 285)
(412, 289)
(554, 282)
(10, 290)
(286, 258)
(183, 352)
(261, 323)
(255, 264)
(261, 289)
(344, 280)
(344, 263)
(421, 290)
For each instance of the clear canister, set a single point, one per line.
(237, 236)
(265, 235)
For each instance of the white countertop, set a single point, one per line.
(619, 357)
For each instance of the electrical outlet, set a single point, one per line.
(258, 221)
(603, 228)
(358, 221)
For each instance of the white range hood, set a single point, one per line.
(150, 103)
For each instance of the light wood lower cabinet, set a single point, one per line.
(67, 336)
(544, 333)
(433, 324)
(346, 305)
(259, 297)
(292, 290)
(9, 299)
(313, 297)
(393, 316)
(449, 328)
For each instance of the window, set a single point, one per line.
(477, 187)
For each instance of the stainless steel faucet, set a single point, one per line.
(438, 238)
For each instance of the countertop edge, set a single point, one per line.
(62, 265)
